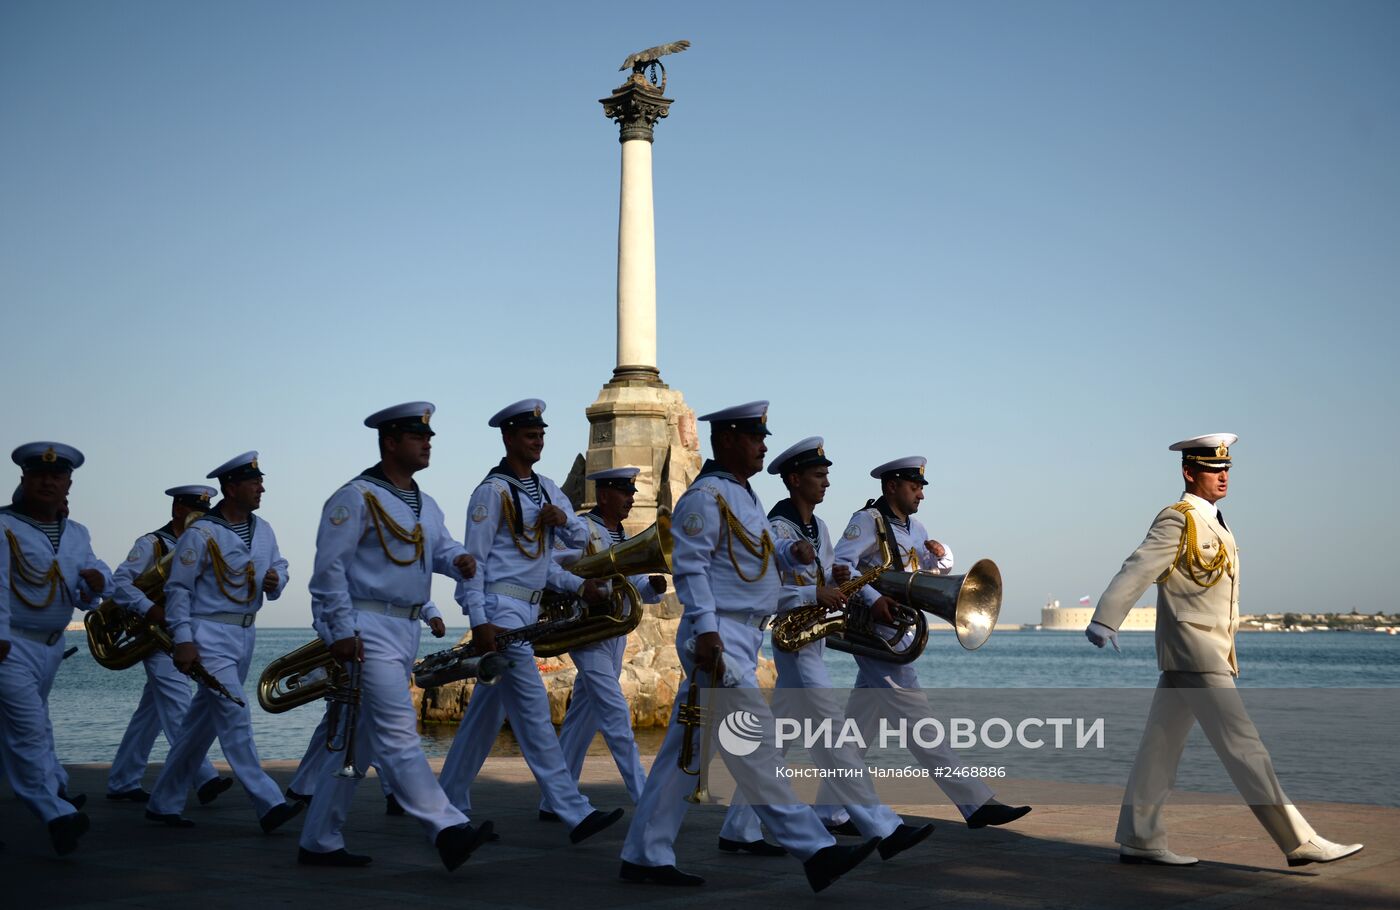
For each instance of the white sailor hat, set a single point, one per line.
(47, 456)
(910, 467)
(409, 417)
(616, 479)
(1209, 451)
(194, 495)
(524, 413)
(240, 467)
(746, 418)
(800, 455)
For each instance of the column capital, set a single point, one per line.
(636, 106)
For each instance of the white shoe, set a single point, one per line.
(1163, 857)
(1321, 850)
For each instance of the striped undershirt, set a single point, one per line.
(617, 534)
(53, 530)
(243, 530)
(532, 486)
(411, 497)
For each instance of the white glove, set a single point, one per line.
(1100, 635)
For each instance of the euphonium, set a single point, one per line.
(299, 677)
(971, 602)
(647, 553)
(119, 638)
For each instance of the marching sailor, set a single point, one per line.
(47, 568)
(516, 520)
(225, 563)
(1191, 556)
(891, 516)
(726, 569)
(803, 468)
(597, 702)
(166, 695)
(380, 540)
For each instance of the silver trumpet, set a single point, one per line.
(343, 714)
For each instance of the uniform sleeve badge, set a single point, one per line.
(852, 531)
(694, 523)
(339, 516)
(187, 557)
(134, 555)
(479, 513)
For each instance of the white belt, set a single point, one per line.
(519, 592)
(753, 620)
(43, 638)
(387, 609)
(229, 619)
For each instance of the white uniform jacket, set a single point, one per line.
(362, 553)
(214, 571)
(800, 585)
(509, 547)
(725, 557)
(146, 552)
(40, 586)
(600, 539)
(859, 548)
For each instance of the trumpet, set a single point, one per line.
(343, 714)
(699, 733)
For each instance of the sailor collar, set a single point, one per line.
(216, 515)
(787, 511)
(376, 476)
(711, 468)
(36, 525)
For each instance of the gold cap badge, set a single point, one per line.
(49, 456)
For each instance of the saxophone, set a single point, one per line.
(796, 629)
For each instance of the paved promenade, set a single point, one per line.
(1057, 857)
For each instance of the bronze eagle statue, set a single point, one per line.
(641, 59)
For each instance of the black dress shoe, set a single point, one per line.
(661, 875)
(902, 838)
(77, 800)
(295, 797)
(134, 795)
(65, 830)
(169, 819)
(595, 821)
(339, 857)
(391, 805)
(758, 847)
(279, 815)
(846, 829)
(830, 863)
(210, 789)
(994, 813)
(547, 816)
(455, 844)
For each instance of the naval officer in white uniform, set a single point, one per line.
(166, 695)
(1191, 556)
(47, 569)
(380, 540)
(225, 563)
(516, 519)
(727, 567)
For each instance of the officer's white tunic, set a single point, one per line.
(368, 581)
(214, 608)
(32, 619)
(717, 599)
(511, 568)
(806, 670)
(859, 550)
(597, 702)
(166, 695)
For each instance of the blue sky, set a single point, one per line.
(1035, 242)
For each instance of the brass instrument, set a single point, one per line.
(971, 602)
(647, 553)
(304, 675)
(699, 733)
(801, 627)
(343, 714)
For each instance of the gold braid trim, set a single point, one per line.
(384, 521)
(533, 535)
(1204, 573)
(27, 574)
(762, 550)
(226, 577)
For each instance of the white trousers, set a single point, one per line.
(226, 651)
(597, 703)
(27, 750)
(806, 670)
(317, 757)
(651, 839)
(386, 733)
(1231, 733)
(164, 701)
(967, 793)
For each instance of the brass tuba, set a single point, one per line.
(647, 553)
(971, 602)
(300, 676)
(119, 638)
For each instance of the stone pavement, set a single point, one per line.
(1057, 857)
